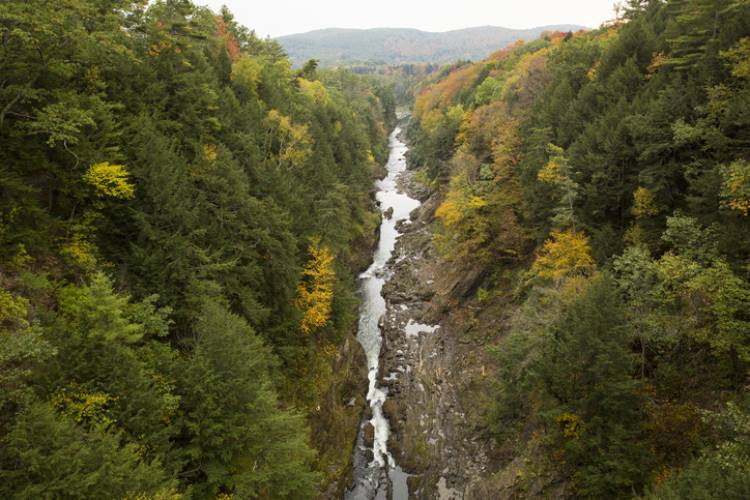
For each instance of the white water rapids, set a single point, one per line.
(369, 478)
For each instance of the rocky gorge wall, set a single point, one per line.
(435, 366)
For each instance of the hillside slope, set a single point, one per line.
(182, 220)
(402, 45)
(582, 257)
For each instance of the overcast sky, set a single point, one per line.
(283, 17)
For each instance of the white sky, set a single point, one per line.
(283, 17)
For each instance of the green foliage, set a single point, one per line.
(161, 172)
(234, 436)
(570, 368)
(623, 149)
(723, 469)
(587, 371)
(54, 458)
(437, 144)
(686, 237)
(487, 91)
(246, 74)
(97, 312)
(559, 173)
(465, 229)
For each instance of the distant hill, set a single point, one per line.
(403, 45)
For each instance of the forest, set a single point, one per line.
(182, 215)
(393, 46)
(601, 182)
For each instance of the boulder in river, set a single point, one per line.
(369, 435)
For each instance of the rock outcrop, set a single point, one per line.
(434, 372)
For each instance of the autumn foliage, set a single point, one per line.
(566, 253)
(110, 181)
(161, 170)
(621, 156)
(315, 293)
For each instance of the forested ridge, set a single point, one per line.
(595, 186)
(182, 216)
(390, 46)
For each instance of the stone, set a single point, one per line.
(368, 435)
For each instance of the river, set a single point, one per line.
(374, 467)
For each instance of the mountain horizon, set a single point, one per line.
(390, 45)
(409, 28)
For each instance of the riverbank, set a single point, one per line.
(433, 371)
(434, 362)
(373, 462)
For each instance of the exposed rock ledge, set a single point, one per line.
(433, 371)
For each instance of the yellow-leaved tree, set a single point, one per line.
(464, 228)
(566, 253)
(645, 209)
(315, 90)
(246, 73)
(644, 203)
(315, 292)
(735, 192)
(110, 181)
(293, 143)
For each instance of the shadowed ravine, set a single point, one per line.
(374, 466)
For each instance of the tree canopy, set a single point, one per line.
(614, 163)
(158, 166)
